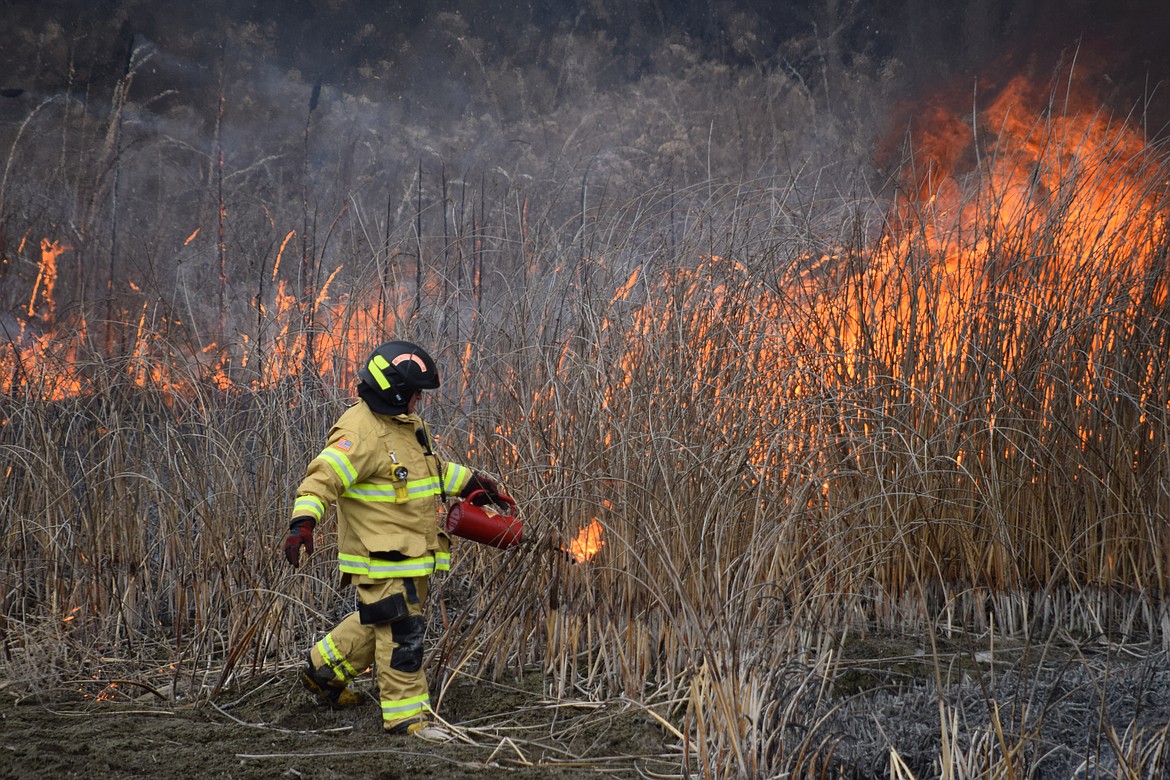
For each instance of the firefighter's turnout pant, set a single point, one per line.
(386, 630)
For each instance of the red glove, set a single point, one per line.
(300, 532)
(491, 489)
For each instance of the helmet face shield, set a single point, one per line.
(397, 370)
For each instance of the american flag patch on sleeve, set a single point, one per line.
(343, 444)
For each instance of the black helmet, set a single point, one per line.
(395, 370)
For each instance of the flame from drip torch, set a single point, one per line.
(587, 544)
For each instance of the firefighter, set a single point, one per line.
(380, 468)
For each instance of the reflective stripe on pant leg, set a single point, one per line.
(394, 710)
(346, 651)
(342, 669)
(403, 694)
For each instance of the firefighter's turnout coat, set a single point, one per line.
(384, 476)
(382, 473)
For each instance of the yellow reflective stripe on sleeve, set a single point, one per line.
(340, 463)
(397, 709)
(442, 561)
(310, 506)
(379, 569)
(455, 478)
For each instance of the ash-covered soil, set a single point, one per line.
(276, 730)
(1065, 710)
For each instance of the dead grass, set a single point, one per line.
(795, 426)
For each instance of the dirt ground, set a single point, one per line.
(274, 729)
(1095, 705)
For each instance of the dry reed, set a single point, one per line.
(790, 433)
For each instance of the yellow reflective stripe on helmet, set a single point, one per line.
(342, 669)
(376, 365)
(455, 478)
(309, 506)
(379, 569)
(397, 709)
(340, 463)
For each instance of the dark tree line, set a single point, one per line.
(82, 42)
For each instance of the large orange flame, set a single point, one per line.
(587, 543)
(1085, 164)
(46, 354)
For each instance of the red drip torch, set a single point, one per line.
(480, 523)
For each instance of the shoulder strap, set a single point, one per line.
(424, 438)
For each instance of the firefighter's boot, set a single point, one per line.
(322, 684)
(426, 729)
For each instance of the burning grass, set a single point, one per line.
(745, 430)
